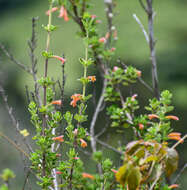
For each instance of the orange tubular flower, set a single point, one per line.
(134, 97)
(102, 40)
(152, 116)
(173, 186)
(92, 78)
(75, 98)
(114, 171)
(139, 73)
(83, 143)
(93, 16)
(59, 138)
(86, 175)
(63, 13)
(107, 35)
(56, 102)
(58, 172)
(172, 117)
(175, 136)
(115, 35)
(58, 155)
(115, 68)
(51, 11)
(141, 126)
(59, 58)
(112, 49)
(76, 158)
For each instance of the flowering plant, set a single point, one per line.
(62, 134)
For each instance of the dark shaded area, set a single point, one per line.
(6, 5)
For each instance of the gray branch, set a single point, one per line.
(13, 119)
(12, 59)
(148, 8)
(151, 14)
(142, 28)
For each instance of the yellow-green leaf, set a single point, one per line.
(123, 172)
(171, 162)
(24, 132)
(134, 178)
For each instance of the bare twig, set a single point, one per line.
(27, 93)
(142, 28)
(62, 87)
(14, 145)
(178, 142)
(94, 118)
(109, 146)
(150, 13)
(11, 57)
(32, 45)
(83, 7)
(139, 78)
(143, 6)
(109, 16)
(179, 174)
(76, 17)
(13, 119)
(145, 84)
(159, 173)
(26, 179)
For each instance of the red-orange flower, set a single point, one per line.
(175, 136)
(107, 35)
(58, 172)
(152, 116)
(83, 143)
(172, 117)
(102, 40)
(112, 49)
(86, 175)
(63, 13)
(115, 34)
(115, 68)
(139, 73)
(76, 158)
(57, 102)
(92, 78)
(59, 138)
(58, 155)
(75, 98)
(98, 21)
(141, 126)
(93, 16)
(59, 58)
(113, 170)
(51, 11)
(173, 186)
(134, 97)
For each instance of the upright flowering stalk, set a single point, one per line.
(44, 86)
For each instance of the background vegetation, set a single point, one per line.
(171, 33)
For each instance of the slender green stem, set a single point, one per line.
(45, 88)
(85, 66)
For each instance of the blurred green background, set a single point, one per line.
(171, 48)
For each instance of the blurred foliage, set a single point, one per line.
(170, 31)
